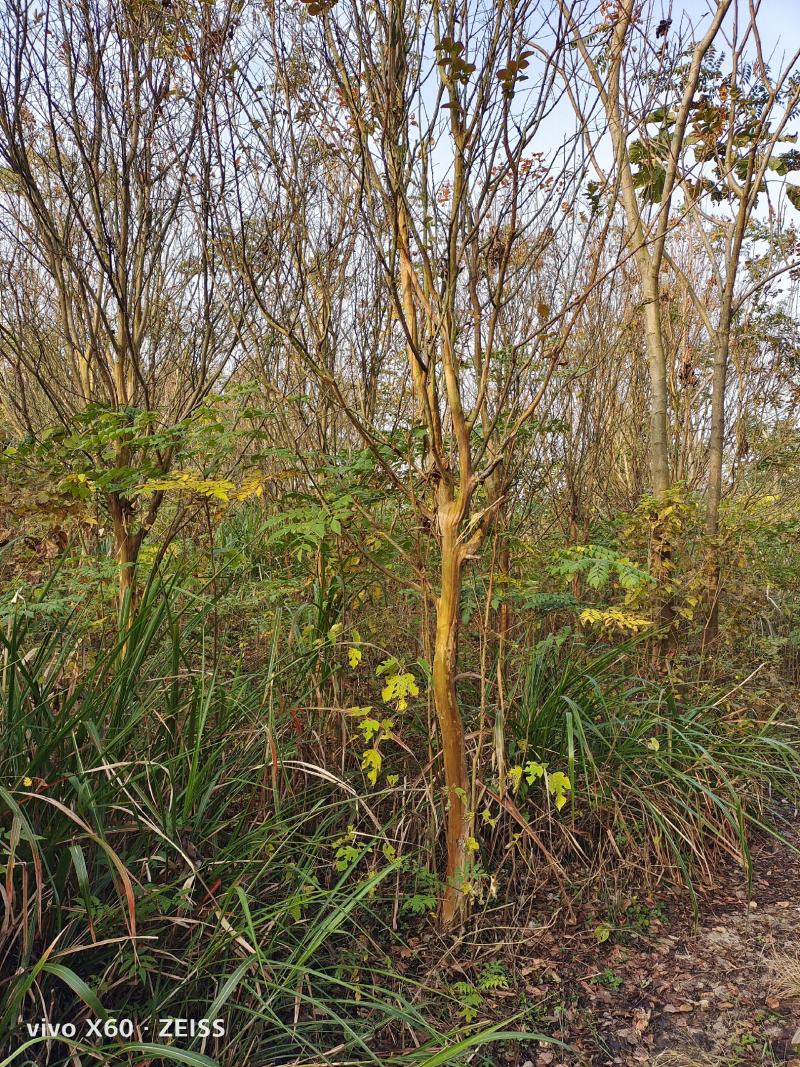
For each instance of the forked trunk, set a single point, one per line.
(454, 901)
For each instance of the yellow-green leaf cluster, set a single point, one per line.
(398, 688)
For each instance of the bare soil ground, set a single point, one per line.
(668, 989)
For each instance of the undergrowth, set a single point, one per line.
(662, 780)
(175, 843)
(166, 856)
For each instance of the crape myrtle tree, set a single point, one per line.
(113, 326)
(397, 140)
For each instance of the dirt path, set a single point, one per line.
(663, 990)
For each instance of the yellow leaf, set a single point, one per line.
(399, 687)
(559, 785)
(371, 763)
(602, 932)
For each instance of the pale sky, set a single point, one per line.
(779, 21)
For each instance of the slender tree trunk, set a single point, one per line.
(495, 488)
(716, 444)
(126, 551)
(574, 539)
(714, 493)
(503, 609)
(447, 711)
(503, 630)
(657, 366)
(659, 455)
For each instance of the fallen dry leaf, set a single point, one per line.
(641, 1020)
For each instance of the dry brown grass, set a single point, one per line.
(702, 1058)
(687, 1058)
(785, 971)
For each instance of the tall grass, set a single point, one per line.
(166, 855)
(171, 832)
(662, 781)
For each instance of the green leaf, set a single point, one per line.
(78, 987)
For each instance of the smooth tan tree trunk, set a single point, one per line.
(454, 901)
